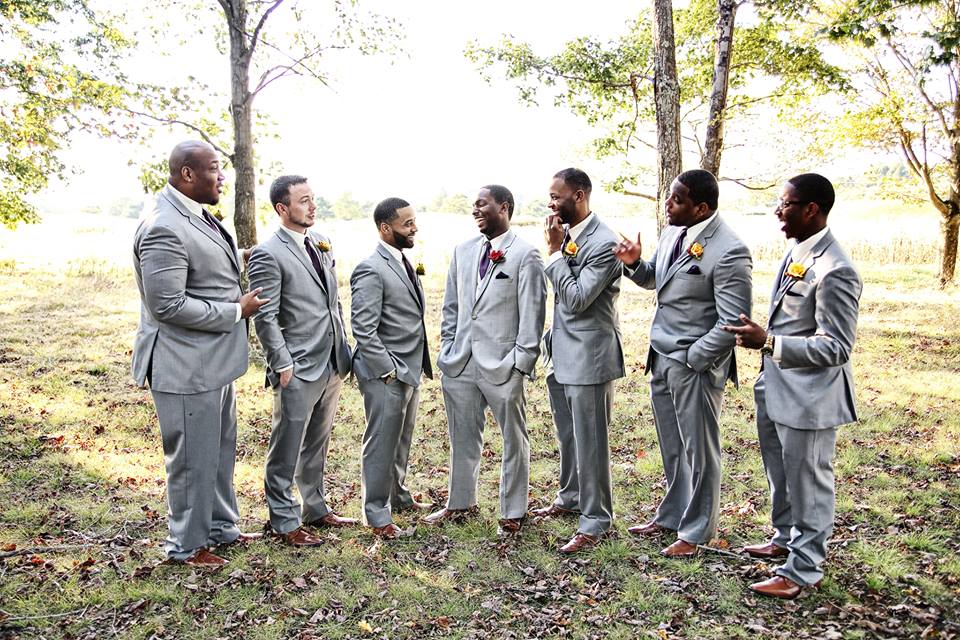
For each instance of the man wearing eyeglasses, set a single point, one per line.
(805, 388)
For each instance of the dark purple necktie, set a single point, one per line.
(208, 218)
(314, 257)
(410, 273)
(678, 246)
(485, 259)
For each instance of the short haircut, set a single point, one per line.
(500, 195)
(185, 154)
(280, 189)
(703, 187)
(576, 178)
(387, 210)
(813, 187)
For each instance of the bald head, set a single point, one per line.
(195, 171)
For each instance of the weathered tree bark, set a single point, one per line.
(950, 228)
(713, 145)
(666, 96)
(241, 103)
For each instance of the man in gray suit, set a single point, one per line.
(391, 354)
(493, 313)
(586, 355)
(701, 271)
(302, 333)
(805, 388)
(190, 347)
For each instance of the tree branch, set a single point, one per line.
(255, 36)
(647, 196)
(203, 134)
(742, 182)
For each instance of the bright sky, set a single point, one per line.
(409, 126)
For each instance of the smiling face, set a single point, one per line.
(399, 231)
(492, 219)
(299, 213)
(564, 200)
(680, 209)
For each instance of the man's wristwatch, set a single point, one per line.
(767, 348)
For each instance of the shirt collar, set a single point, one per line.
(296, 236)
(190, 205)
(495, 243)
(694, 231)
(396, 253)
(801, 249)
(577, 229)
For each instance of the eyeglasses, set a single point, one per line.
(782, 204)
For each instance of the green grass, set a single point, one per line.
(81, 476)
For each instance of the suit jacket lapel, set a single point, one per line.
(204, 228)
(400, 271)
(815, 253)
(302, 256)
(685, 257)
(507, 241)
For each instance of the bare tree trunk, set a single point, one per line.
(713, 146)
(241, 103)
(950, 227)
(666, 96)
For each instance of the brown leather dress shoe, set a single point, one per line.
(553, 511)
(768, 550)
(414, 506)
(778, 587)
(680, 549)
(509, 526)
(331, 520)
(450, 515)
(299, 537)
(648, 529)
(388, 532)
(579, 542)
(204, 558)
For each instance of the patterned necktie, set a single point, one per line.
(678, 246)
(485, 259)
(314, 257)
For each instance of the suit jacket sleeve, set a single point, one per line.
(366, 305)
(164, 265)
(451, 304)
(265, 272)
(733, 295)
(838, 305)
(532, 296)
(577, 293)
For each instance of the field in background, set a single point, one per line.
(82, 490)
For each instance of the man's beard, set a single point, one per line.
(402, 241)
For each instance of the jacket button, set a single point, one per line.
(473, 317)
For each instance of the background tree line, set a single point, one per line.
(834, 73)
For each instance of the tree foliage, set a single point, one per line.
(907, 55)
(776, 60)
(58, 74)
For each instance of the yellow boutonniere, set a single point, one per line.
(570, 249)
(323, 246)
(796, 270)
(421, 270)
(696, 250)
(218, 216)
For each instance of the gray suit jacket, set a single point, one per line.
(303, 322)
(387, 320)
(814, 319)
(188, 340)
(501, 327)
(584, 342)
(695, 298)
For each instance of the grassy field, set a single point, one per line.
(82, 506)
